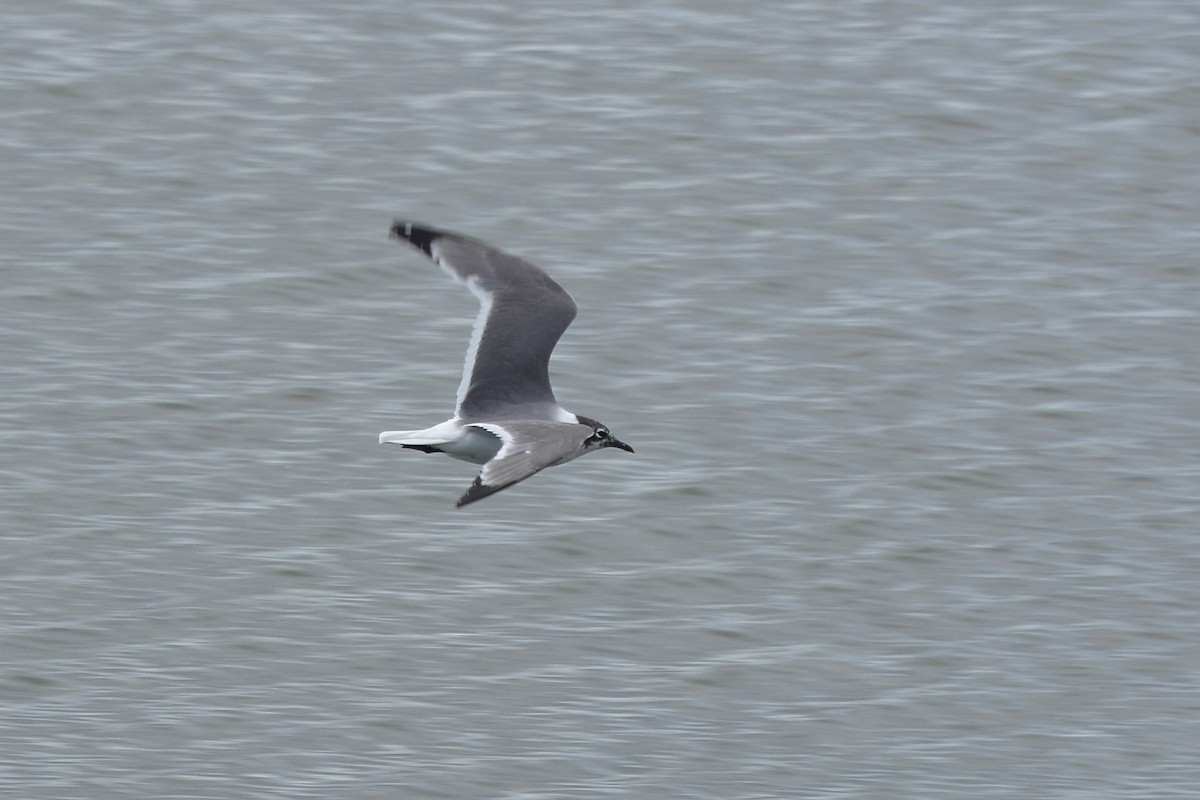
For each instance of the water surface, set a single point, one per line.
(897, 304)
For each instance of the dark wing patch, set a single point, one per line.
(420, 236)
(480, 490)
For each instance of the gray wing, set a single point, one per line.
(528, 448)
(522, 314)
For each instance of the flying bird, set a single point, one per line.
(505, 414)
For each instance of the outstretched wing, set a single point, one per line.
(528, 447)
(522, 314)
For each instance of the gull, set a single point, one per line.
(505, 414)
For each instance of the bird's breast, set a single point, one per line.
(475, 445)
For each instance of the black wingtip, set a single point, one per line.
(416, 234)
(477, 492)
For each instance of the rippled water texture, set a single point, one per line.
(897, 302)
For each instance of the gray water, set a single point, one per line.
(897, 302)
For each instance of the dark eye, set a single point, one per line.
(602, 433)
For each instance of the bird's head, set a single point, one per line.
(601, 436)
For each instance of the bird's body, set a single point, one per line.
(506, 416)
